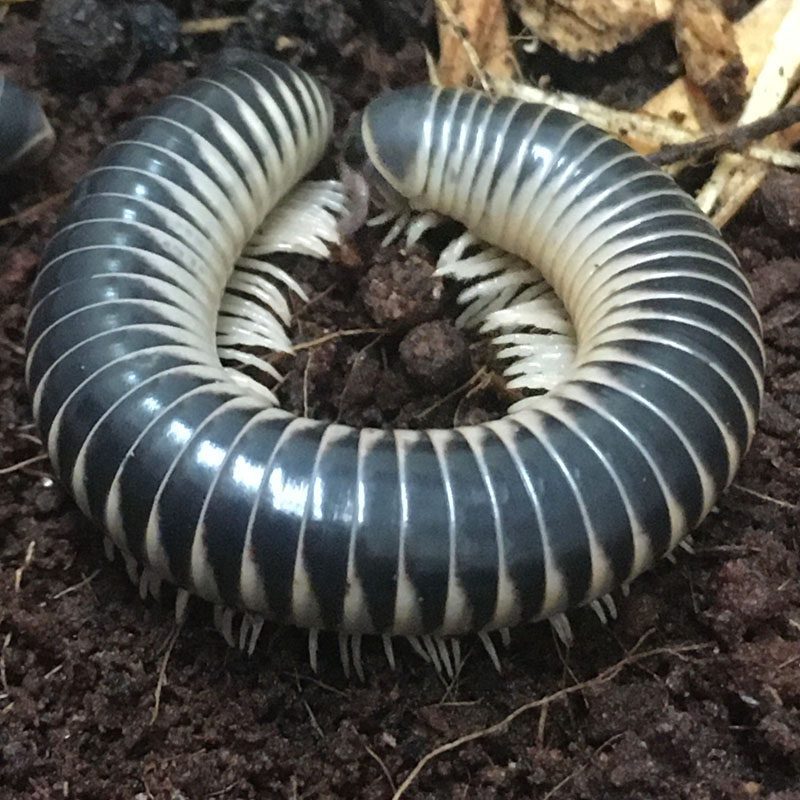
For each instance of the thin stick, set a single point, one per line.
(76, 586)
(735, 139)
(476, 378)
(3, 675)
(32, 211)
(383, 766)
(193, 27)
(772, 155)
(162, 672)
(766, 498)
(330, 337)
(498, 727)
(22, 464)
(20, 571)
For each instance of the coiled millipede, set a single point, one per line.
(26, 136)
(200, 479)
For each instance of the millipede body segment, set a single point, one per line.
(201, 480)
(26, 136)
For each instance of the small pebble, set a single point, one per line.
(312, 26)
(155, 28)
(436, 354)
(402, 294)
(87, 42)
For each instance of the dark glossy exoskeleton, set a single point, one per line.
(26, 136)
(203, 482)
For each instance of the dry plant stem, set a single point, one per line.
(162, 673)
(769, 91)
(76, 586)
(31, 212)
(604, 677)
(734, 139)
(22, 464)
(767, 498)
(473, 42)
(787, 159)
(332, 336)
(193, 27)
(382, 764)
(20, 571)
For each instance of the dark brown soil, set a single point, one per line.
(82, 655)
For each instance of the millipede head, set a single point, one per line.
(383, 156)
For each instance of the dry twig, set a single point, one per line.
(330, 337)
(382, 765)
(767, 498)
(195, 27)
(75, 586)
(162, 672)
(22, 464)
(32, 211)
(604, 677)
(26, 562)
(734, 139)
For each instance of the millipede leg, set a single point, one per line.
(418, 227)
(258, 624)
(344, 654)
(355, 641)
(108, 547)
(598, 609)
(132, 568)
(181, 605)
(313, 648)
(388, 649)
(563, 629)
(418, 648)
(444, 655)
(488, 646)
(433, 654)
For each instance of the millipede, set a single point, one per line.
(26, 136)
(621, 310)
